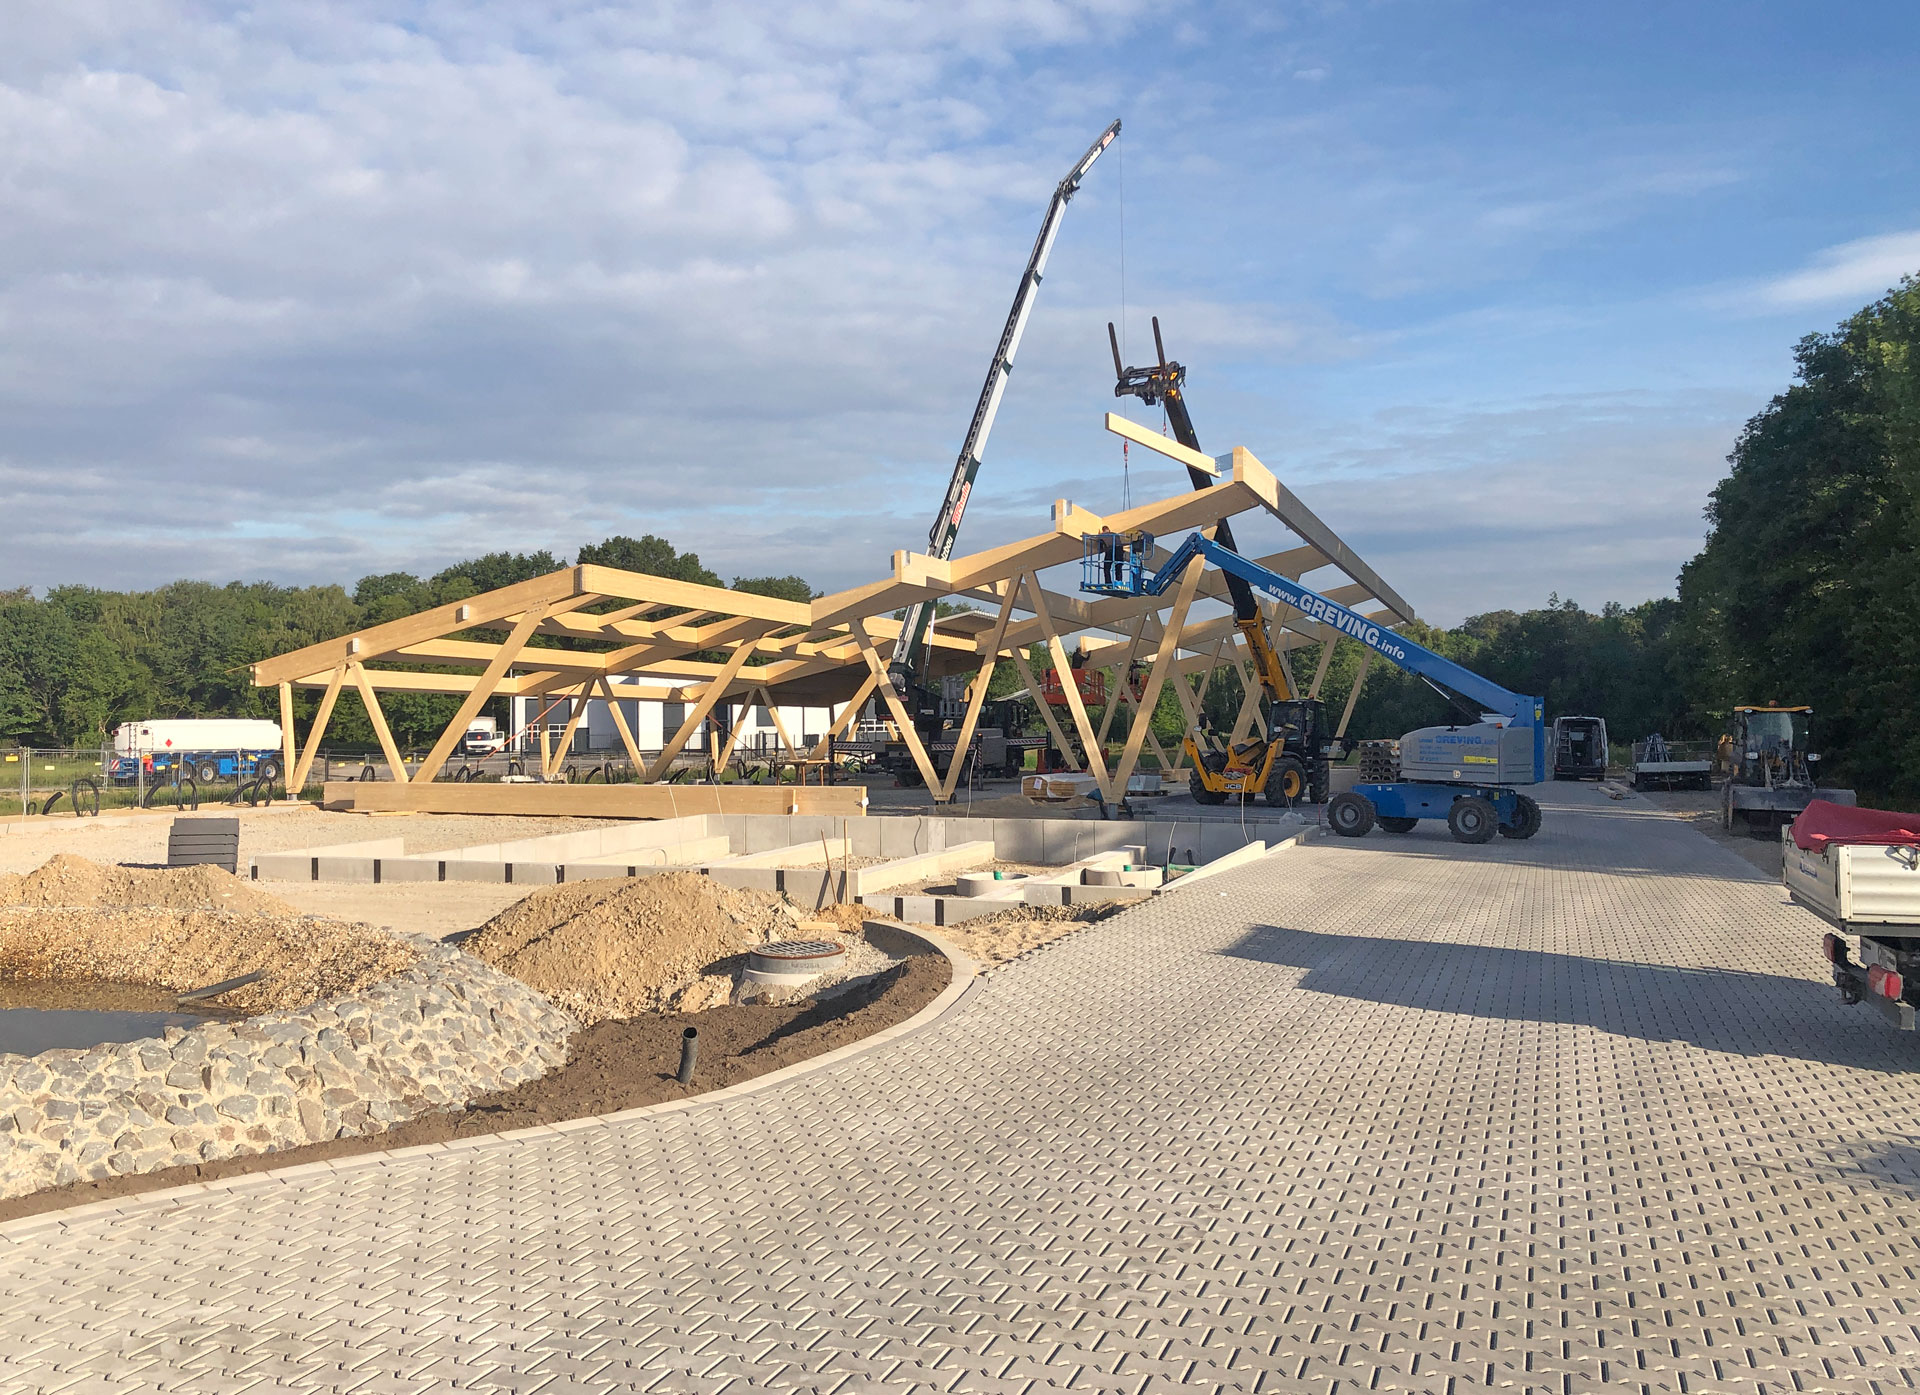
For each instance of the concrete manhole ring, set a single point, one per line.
(791, 963)
(796, 957)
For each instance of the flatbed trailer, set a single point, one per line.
(1859, 871)
(1672, 765)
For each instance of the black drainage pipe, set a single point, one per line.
(689, 1053)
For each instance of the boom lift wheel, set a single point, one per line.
(1286, 783)
(1529, 820)
(1472, 820)
(1350, 815)
(1393, 825)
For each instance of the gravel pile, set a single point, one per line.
(182, 929)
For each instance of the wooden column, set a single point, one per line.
(1046, 709)
(709, 695)
(1320, 672)
(379, 720)
(1366, 661)
(1163, 659)
(908, 736)
(847, 714)
(579, 701)
(286, 739)
(319, 728)
(980, 685)
(483, 687)
(620, 725)
(1070, 687)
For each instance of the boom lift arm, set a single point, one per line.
(1115, 565)
(909, 653)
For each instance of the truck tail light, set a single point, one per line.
(1885, 982)
(1831, 947)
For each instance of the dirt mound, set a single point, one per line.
(66, 880)
(606, 949)
(182, 929)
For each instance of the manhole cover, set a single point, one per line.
(796, 956)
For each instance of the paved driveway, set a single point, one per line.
(1392, 1115)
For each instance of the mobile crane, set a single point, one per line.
(906, 670)
(1464, 774)
(1289, 764)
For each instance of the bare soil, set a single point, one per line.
(619, 948)
(181, 929)
(612, 1066)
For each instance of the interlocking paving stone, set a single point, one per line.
(1580, 1113)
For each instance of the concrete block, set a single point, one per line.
(283, 867)
(1048, 893)
(814, 886)
(594, 871)
(954, 909)
(922, 910)
(1239, 857)
(779, 855)
(746, 878)
(1091, 895)
(461, 871)
(1019, 840)
(346, 869)
(863, 836)
(533, 873)
(903, 837)
(409, 869)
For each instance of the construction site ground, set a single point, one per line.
(1580, 1112)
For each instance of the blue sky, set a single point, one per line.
(307, 292)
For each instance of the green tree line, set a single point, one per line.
(77, 662)
(1801, 593)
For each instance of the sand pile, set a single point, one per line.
(999, 939)
(181, 929)
(617, 948)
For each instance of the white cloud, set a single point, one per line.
(1863, 269)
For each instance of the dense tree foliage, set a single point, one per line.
(1805, 586)
(1800, 594)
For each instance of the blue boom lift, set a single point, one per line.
(1465, 774)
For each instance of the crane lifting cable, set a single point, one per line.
(909, 653)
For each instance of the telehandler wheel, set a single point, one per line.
(1350, 815)
(1529, 820)
(1472, 820)
(1201, 794)
(1286, 782)
(1393, 825)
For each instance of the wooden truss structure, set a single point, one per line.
(589, 632)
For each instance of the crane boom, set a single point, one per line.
(909, 649)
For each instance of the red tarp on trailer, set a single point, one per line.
(1821, 823)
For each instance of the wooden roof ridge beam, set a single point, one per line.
(378, 640)
(1287, 506)
(1154, 441)
(625, 585)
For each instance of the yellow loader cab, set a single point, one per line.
(1771, 773)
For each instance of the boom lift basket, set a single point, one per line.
(1115, 564)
